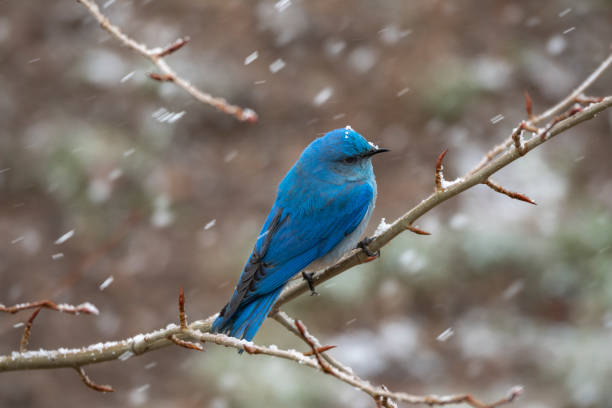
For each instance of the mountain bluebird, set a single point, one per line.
(322, 208)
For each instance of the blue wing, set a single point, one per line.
(294, 236)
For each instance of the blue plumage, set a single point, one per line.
(322, 207)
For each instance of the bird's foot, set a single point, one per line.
(363, 244)
(308, 278)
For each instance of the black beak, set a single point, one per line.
(375, 151)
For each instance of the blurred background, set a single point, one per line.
(162, 192)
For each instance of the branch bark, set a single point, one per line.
(499, 157)
(157, 339)
(156, 55)
(356, 257)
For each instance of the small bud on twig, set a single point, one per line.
(511, 194)
(439, 175)
(528, 106)
(417, 230)
(183, 343)
(88, 382)
(161, 77)
(26, 332)
(181, 301)
(175, 46)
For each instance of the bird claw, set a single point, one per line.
(308, 278)
(363, 244)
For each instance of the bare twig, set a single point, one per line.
(142, 343)
(86, 308)
(381, 395)
(585, 100)
(533, 121)
(183, 325)
(290, 324)
(167, 73)
(576, 92)
(374, 392)
(511, 194)
(25, 338)
(184, 343)
(88, 382)
(324, 365)
(570, 112)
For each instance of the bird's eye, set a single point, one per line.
(349, 160)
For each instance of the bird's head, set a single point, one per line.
(339, 156)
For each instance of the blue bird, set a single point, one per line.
(322, 207)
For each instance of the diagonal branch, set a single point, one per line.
(356, 257)
(575, 93)
(319, 364)
(291, 325)
(533, 121)
(156, 55)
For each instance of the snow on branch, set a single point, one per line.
(191, 335)
(156, 55)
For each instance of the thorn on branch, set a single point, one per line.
(26, 332)
(161, 77)
(321, 349)
(183, 343)
(528, 106)
(181, 302)
(88, 382)
(305, 335)
(175, 46)
(417, 230)
(439, 176)
(511, 194)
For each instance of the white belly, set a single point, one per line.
(348, 243)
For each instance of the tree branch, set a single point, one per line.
(156, 56)
(356, 257)
(157, 339)
(375, 392)
(499, 157)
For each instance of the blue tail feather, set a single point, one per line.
(247, 319)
